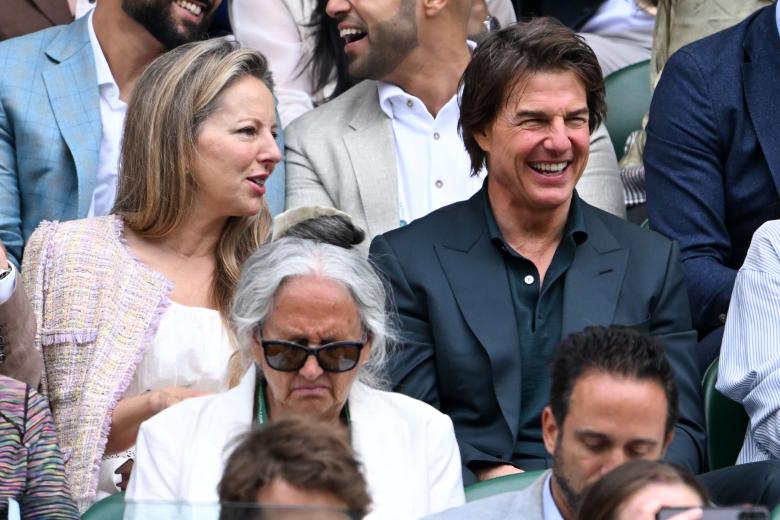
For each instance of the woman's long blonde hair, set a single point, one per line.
(170, 101)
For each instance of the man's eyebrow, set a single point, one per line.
(538, 114)
(592, 434)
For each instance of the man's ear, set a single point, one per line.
(482, 138)
(550, 430)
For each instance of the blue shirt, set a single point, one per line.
(777, 15)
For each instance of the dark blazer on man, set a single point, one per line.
(712, 156)
(459, 349)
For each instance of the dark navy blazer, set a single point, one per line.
(713, 155)
(460, 350)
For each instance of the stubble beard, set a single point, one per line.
(155, 16)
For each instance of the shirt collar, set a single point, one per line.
(104, 76)
(390, 93)
(550, 509)
(574, 229)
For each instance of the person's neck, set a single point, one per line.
(521, 225)
(194, 238)
(127, 46)
(432, 73)
(560, 502)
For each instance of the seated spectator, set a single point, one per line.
(487, 288)
(613, 399)
(749, 369)
(31, 466)
(295, 466)
(637, 490)
(18, 356)
(130, 307)
(327, 225)
(305, 50)
(712, 157)
(311, 321)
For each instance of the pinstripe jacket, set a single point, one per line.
(49, 130)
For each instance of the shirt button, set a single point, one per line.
(439, 183)
(722, 318)
(409, 103)
(436, 135)
(528, 279)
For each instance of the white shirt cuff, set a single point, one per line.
(8, 285)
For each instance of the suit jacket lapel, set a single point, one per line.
(73, 94)
(478, 279)
(762, 85)
(594, 279)
(371, 150)
(55, 10)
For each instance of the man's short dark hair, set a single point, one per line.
(507, 58)
(305, 453)
(617, 351)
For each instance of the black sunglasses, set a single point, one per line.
(288, 356)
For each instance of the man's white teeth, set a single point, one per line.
(189, 6)
(549, 167)
(351, 34)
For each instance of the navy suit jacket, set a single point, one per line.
(712, 156)
(459, 349)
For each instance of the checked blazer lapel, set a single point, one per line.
(71, 85)
(762, 86)
(478, 279)
(371, 150)
(594, 279)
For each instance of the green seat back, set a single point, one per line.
(725, 420)
(505, 484)
(776, 513)
(110, 508)
(628, 99)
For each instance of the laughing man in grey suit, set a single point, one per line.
(388, 151)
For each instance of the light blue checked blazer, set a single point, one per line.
(50, 132)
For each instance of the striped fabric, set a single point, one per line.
(749, 370)
(31, 467)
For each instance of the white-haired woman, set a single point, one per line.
(311, 321)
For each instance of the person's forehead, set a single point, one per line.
(618, 407)
(524, 87)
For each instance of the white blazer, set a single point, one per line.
(407, 448)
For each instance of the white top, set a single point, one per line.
(619, 16)
(277, 28)
(191, 348)
(407, 448)
(112, 120)
(433, 166)
(83, 7)
(549, 507)
(749, 368)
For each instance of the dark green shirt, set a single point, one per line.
(539, 322)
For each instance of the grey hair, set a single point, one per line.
(274, 263)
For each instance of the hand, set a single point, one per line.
(163, 398)
(4, 264)
(499, 470)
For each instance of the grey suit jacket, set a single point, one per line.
(525, 504)
(17, 336)
(342, 155)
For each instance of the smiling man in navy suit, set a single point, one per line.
(712, 159)
(487, 288)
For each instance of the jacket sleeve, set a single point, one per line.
(600, 184)
(444, 470)
(304, 185)
(671, 325)
(749, 369)
(156, 470)
(17, 335)
(685, 193)
(10, 201)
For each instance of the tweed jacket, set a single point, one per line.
(342, 155)
(97, 310)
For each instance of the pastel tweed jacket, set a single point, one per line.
(97, 310)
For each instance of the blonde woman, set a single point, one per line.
(131, 308)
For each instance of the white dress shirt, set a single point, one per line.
(83, 7)
(112, 119)
(433, 166)
(549, 507)
(618, 17)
